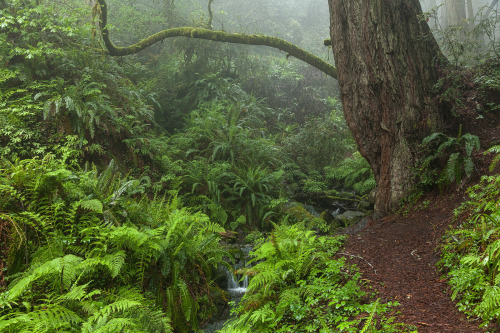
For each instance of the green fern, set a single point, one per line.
(353, 173)
(447, 159)
(472, 253)
(496, 158)
(46, 318)
(62, 270)
(369, 321)
(290, 292)
(93, 205)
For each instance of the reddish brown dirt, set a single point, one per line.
(398, 255)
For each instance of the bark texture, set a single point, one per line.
(386, 61)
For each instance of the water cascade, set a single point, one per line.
(237, 285)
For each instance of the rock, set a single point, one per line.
(350, 217)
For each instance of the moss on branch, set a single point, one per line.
(218, 36)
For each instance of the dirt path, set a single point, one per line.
(399, 256)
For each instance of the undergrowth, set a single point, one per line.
(471, 252)
(89, 252)
(297, 286)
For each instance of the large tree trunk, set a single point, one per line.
(386, 61)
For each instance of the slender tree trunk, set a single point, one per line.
(490, 9)
(386, 60)
(454, 12)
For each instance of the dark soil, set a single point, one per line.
(398, 256)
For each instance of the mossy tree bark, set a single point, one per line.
(100, 9)
(386, 61)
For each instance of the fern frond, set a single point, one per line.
(370, 317)
(93, 205)
(114, 325)
(47, 318)
(286, 298)
(263, 279)
(471, 142)
(63, 268)
(432, 137)
(496, 150)
(490, 301)
(114, 262)
(263, 315)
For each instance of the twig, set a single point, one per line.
(423, 324)
(354, 256)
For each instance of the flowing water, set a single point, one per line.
(236, 287)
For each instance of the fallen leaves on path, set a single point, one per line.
(398, 254)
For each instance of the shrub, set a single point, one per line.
(471, 252)
(446, 159)
(297, 286)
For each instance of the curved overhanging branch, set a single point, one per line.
(218, 36)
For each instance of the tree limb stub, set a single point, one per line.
(218, 36)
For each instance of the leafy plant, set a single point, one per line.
(91, 252)
(320, 142)
(230, 169)
(496, 158)
(446, 159)
(297, 286)
(353, 173)
(470, 253)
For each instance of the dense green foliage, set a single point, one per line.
(90, 251)
(353, 173)
(225, 162)
(471, 253)
(446, 159)
(297, 286)
(118, 177)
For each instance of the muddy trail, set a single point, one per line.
(398, 256)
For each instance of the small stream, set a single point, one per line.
(236, 287)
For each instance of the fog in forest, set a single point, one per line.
(305, 23)
(180, 166)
